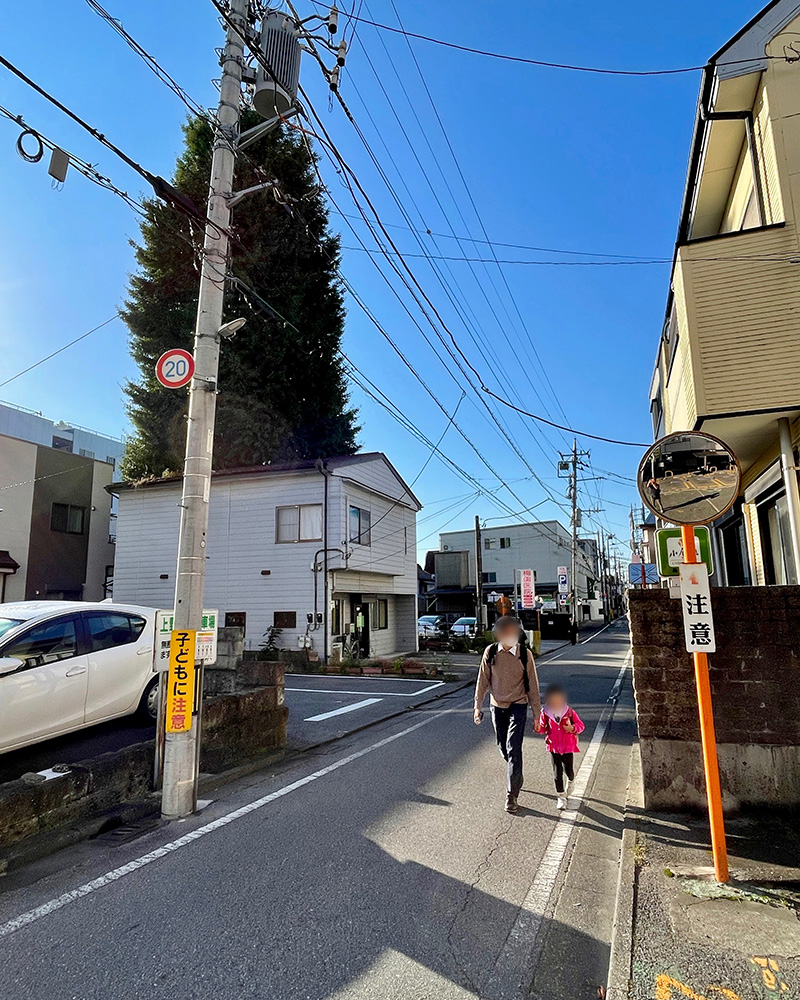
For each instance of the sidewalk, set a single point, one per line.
(686, 936)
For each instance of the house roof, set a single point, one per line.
(275, 468)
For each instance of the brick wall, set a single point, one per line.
(755, 683)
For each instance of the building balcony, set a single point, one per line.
(733, 364)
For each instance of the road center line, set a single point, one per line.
(17, 923)
(342, 710)
(521, 942)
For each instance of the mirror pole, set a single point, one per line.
(708, 737)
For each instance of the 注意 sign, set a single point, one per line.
(528, 588)
(180, 681)
(698, 622)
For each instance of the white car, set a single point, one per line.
(464, 626)
(65, 666)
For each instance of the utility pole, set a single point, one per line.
(478, 578)
(574, 573)
(179, 796)
(604, 581)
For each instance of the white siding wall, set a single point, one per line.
(17, 465)
(241, 543)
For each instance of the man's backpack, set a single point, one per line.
(522, 650)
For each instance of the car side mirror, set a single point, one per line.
(8, 664)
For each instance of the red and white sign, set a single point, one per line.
(528, 588)
(175, 368)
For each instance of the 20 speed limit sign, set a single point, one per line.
(175, 368)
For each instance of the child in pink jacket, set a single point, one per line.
(560, 725)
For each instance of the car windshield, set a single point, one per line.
(8, 623)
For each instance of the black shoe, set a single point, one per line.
(511, 803)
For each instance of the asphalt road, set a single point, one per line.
(383, 867)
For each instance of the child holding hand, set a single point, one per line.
(561, 726)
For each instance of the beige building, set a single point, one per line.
(729, 356)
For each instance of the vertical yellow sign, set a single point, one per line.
(180, 681)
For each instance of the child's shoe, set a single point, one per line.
(561, 804)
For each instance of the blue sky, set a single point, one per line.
(552, 159)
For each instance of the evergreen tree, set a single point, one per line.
(282, 393)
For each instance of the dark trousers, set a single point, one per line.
(509, 727)
(562, 763)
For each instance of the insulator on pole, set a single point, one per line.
(333, 20)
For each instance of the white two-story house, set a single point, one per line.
(323, 550)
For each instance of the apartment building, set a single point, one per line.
(56, 524)
(542, 546)
(322, 551)
(729, 355)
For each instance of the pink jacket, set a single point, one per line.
(557, 739)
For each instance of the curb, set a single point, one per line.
(619, 966)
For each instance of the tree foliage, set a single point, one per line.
(282, 393)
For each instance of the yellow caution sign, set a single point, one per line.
(180, 680)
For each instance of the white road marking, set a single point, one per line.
(343, 710)
(594, 634)
(521, 941)
(17, 923)
(383, 694)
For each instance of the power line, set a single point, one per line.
(540, 62)
(41, 361)
(162, 188)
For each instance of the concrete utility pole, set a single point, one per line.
(179, 796)
(574, 573)
(604, 577)
(478, 577)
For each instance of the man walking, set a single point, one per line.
(508, 673)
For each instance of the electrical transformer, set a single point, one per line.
(276, 90)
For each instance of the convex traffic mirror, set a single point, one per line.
(689, 478)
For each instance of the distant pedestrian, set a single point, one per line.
(508, 673)
(654, 489)
(561, 726)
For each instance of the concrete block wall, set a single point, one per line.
(755, 683)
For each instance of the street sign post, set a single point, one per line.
(181, 681)
(528, 588)
(206, 637)
(698, 622)
(642, 573)
(669, 549)
(692, 479)
(175, 368)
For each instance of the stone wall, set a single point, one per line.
(755, 683)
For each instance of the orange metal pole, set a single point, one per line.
(708, 737)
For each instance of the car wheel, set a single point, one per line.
(148, 706)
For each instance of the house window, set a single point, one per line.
(505, 543)
(489, 577)
(379, 615)
(299, 523)
(360, 526)
(68, 518)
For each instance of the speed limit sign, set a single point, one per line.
(175, 368)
